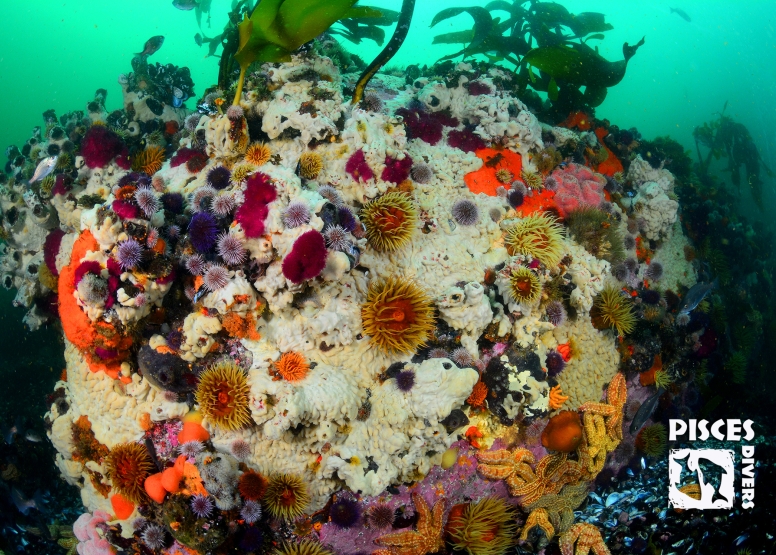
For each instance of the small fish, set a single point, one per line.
(681, 13)
(11, 431)
(32, 436)
(45, 167)
(198, 39)
(152, 45)
(695, 295)
(645, 411)
(24, 505)
(185, 5)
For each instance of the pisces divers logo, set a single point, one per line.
(703, 494)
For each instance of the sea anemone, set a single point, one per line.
(654, 271)
(539, 236)
(556, 313)
(201, 505)
(100, 145)
(461, 357)
(396, 169)
(305, 547)
(405, 380)
(154, 536)
(486, 527)
(195, 264)
(504, 175)
(252, 485)
(259, 192)
(258, 154)
(129, 253)
(381, 516)
(203, 231)
(524, 285)
(223, 205)
(307, 257)
(231, 249)
(663, 379)
(147, 201)
(613, 310)
(390, 221)
(296, 214)
(128, 465)
(286, 496)
(197, 163)
(149, 160)
(652, 440)
(421, 173)
(223, 396)
(397, 315)
(563, 432)
(310, 165)
(465, 140)
(555, 363)
(240, 449)
(292, 366)
(337, 238)
(345, 512)
(591, 227)
(358, 168)
(251, 511)
(215, 277)
(465, 212)
(125, 209)
(219, 177)
(532, 180)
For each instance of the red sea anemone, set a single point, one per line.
(465, 140)
(424, 126)
(51, 249)
(100, 145)
(396, 170)
(183, 156)
(125, 209)
(307, 257)
(357, 167)
(259, 192)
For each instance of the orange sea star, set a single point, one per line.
(587, 537)
(616, 395)
(426, 539)
(510, 466)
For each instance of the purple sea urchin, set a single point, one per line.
(203, 231)
(438, 353)
(336, 238)
(202, 198)
(195, 264)
(556, 313)
(216, 277)
(173, 202)
(405, 380)
(191, 448)
(555, 363)
(251, 511)
(629, 242)
(421, 173)
(154, 536)
(201, 505)
(234, 112)
(654, 271)
(345, 512)
(465, 212)
(461, 357)
(296, 214)
(515, 198)
(240, 448)
(381, 515)
(331, 194)
(129, 254)
(231, 249)
(147, 201)
(219, 178)
(223, 205)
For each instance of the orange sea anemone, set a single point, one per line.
(398, 316)
(258, 154)
(222, 395)
(563, 432)
(539, 236)
(252, 485)
(486, 527)
(292, 367)
(310, 165)
(524, 285)
(128, 465)
(390, 221)
(286, 496)
(149, 160)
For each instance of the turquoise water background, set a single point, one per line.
(56, 53)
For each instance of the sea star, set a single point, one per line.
(538, 518)
(587, 538)
(616, 395)
(426, 539)
(559, 508)
(598, 443)
(510, 466)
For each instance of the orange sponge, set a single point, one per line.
(192, 431)
(154, 487)
(122, 507)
